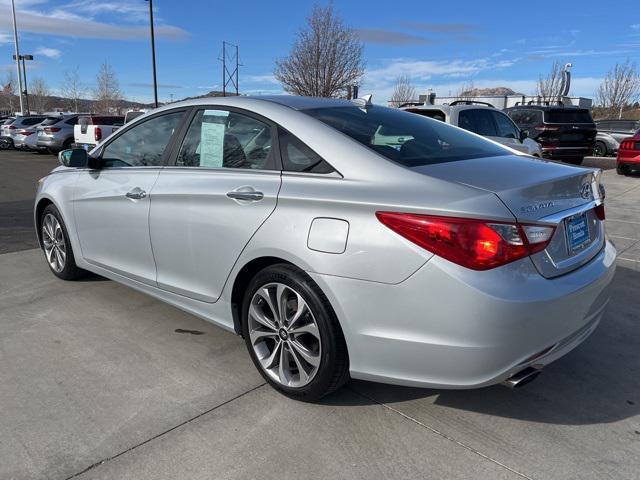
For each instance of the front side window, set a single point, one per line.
(506, 128)
(426, 141)
(477, 121)
(144, 144)
(298, 157)
(224, 139)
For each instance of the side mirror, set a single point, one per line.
(523, 134)
(74, 158)
(94, 163)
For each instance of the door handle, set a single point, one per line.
(251, 196)
(136, 194)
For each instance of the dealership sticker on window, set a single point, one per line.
(212, 138)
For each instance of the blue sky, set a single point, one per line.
(440, 45)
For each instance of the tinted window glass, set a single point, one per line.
(223, 139)
(506, 128)
(32, 120)
(435, 114)
(84, 121)
(131, 115)
(9, 121)
(560, 115)
(72, 121)
(297, 157)
(526, 117)
(51, 121)
(477, 121)
(144, 144)
(426, 142)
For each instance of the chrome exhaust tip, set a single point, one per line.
(521, 378)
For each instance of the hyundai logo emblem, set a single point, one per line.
(585, 191)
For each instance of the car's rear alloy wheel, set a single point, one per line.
(284, 335)
(600, 149)
(56, 245)
(292, 333)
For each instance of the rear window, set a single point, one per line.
(51, 121)
(32, 121)
(8, 121)
(561, 115)
(100, 121)
(435, 114)
(405, 138)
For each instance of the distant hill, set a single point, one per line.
(489, 92)
(54, 103)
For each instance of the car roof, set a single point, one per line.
(545, 107)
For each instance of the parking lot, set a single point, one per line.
(100, 381)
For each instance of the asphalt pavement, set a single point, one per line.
(98, 381)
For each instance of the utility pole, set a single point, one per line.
(153, 54)
(24, 74)
(229, 76)
(17, 55)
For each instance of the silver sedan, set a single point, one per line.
(340, 239)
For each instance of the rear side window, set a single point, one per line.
(425, 141)
(526, 118)
(9, 121)
(72, 121)
(560, 115)
(298, 157)
(477, 121)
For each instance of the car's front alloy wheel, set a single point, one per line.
(56, 245)
(292, 333)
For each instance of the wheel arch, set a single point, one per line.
(241, 281)
(43, 203)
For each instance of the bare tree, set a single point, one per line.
(619, 89)
(466, 91)
(107, 91)
(325, 59)
(72, 88)
(403, 91)
(39, 94)
(549, 88)
(9, 92)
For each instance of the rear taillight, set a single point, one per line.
(546, 128)
(12, 127)
(475, 244)
(627, 145)
(600, 211)
(51, 129)
(98, 134)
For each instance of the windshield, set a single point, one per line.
(405, 138)
(561, 115)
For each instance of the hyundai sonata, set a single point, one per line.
(340, 239)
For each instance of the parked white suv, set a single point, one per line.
(91, 129)
(480, 118)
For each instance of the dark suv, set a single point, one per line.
(564, 133)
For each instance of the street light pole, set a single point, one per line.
(15, 39)
(153, 54)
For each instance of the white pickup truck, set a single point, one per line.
(91, 129)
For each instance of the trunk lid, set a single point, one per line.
(539, 191)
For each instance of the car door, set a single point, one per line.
(111, 205)
(205, 208)
(506, 131)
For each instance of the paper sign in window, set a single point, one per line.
(212, 138)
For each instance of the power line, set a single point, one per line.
(231, 56)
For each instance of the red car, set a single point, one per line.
(629, 155)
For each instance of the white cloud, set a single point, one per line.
(61, 21)
(636, 26)
(49, 52)
(265, 78)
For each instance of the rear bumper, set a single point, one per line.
(628, 158)
(53, 143)
(566, 152)
(449, 327)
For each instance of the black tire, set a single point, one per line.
(333, 369)
(622, 169)
(70, 270)
(600, 149)
(574, 161)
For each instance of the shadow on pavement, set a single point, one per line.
(595, 383)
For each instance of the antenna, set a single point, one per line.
(230, 56)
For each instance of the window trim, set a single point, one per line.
(168, 149)
(335, 172)
(177, 145)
